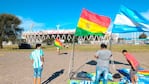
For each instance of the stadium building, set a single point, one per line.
(40, 36)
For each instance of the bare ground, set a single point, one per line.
(16, 68)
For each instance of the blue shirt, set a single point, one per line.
(36, 57)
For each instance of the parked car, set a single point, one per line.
(24, 46)
(147, 42)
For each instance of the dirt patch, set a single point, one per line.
(16, 68)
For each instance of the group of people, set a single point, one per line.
(103, 56)
(103, 59)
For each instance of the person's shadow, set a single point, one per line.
(117, 62)
(53, 76)
(93, 62)
(65, 53)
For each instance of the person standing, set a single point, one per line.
(37, 58)
(134, 65)
(58, 45)
(103, 58)
(58, 50)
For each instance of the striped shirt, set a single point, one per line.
(36, 57)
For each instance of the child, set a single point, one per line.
(37, 60)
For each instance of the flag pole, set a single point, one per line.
(110, 42)
(71, 64)
(112, 62)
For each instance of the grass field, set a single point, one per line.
(116, 48)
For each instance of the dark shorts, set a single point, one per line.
(134, 72)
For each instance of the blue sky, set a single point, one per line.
(46, 14)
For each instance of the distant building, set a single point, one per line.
(40, 36)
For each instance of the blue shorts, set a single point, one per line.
(38, 72)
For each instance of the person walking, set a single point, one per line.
(37, 58)
(103, 58)
(134, 65)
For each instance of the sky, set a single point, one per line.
(38, 15)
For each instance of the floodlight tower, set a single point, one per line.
(31, 26)
(57, 26)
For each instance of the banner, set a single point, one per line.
(92, 24)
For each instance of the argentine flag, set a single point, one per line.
(128, 20)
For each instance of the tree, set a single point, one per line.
(9, 28)
(143, 36)
(49, 41)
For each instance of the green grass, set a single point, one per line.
(115, 48)
(131, 48)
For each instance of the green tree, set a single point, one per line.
(142, 36)
(9, 28)
(49, 41)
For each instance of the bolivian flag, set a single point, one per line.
(58, 43)
(144, 72)
(92, 24)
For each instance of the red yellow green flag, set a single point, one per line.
(144, 72)
(92, 24)
(58, 43)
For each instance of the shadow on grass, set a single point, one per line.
(53, 76)
(65, 53)
(117, 62)
(93, 62)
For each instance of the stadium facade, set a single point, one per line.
(40, 36)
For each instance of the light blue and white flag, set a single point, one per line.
(132, 14)
(128, 20)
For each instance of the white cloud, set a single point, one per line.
(28, 24)
(146, 14)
